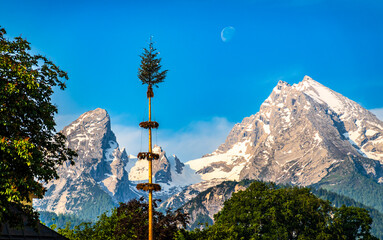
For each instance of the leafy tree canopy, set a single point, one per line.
(264, 211)
(30, 149)
(129, 221)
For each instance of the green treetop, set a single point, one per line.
(149, 71)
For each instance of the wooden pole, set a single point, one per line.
(150, 176)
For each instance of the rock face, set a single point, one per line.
(301, 133)
(179, 199)
(206, 204)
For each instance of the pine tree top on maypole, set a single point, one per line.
(149, 71)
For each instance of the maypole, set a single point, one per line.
(149, 73)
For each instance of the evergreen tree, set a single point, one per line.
(149, 71)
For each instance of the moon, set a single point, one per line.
(227, 34)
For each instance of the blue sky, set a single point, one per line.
(211, 84)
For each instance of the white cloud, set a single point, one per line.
(191, 142)
(378, 112)
(197, 139)
(130, 138)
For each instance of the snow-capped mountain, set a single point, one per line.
(299, 135)
(305, 134)
(95, 183)
(104, 174)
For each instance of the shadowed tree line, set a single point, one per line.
(262, 211)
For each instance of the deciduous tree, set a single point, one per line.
(30, 148)
(129, 221)
(264, 211)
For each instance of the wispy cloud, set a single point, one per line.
(129, 138)
(191, 142)
(378, 112)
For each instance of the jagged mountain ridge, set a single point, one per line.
(299, 135)
(104, 174)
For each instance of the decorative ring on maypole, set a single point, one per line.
(148, 187)
(149, 124)
(148, 156)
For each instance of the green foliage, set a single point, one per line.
(83, 231)
(264, 211)
(29, 147)
(356, 186)
(128, 221)
(59, 220)
(351, 223)
(339, 200)
(150, 69)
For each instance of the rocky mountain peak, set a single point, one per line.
(161, 168)
(324, 95)
(158, 149)
(307, 78)
(89, 135)
(99, 167)
(282, 83)
(300, 133)
(98, 118)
